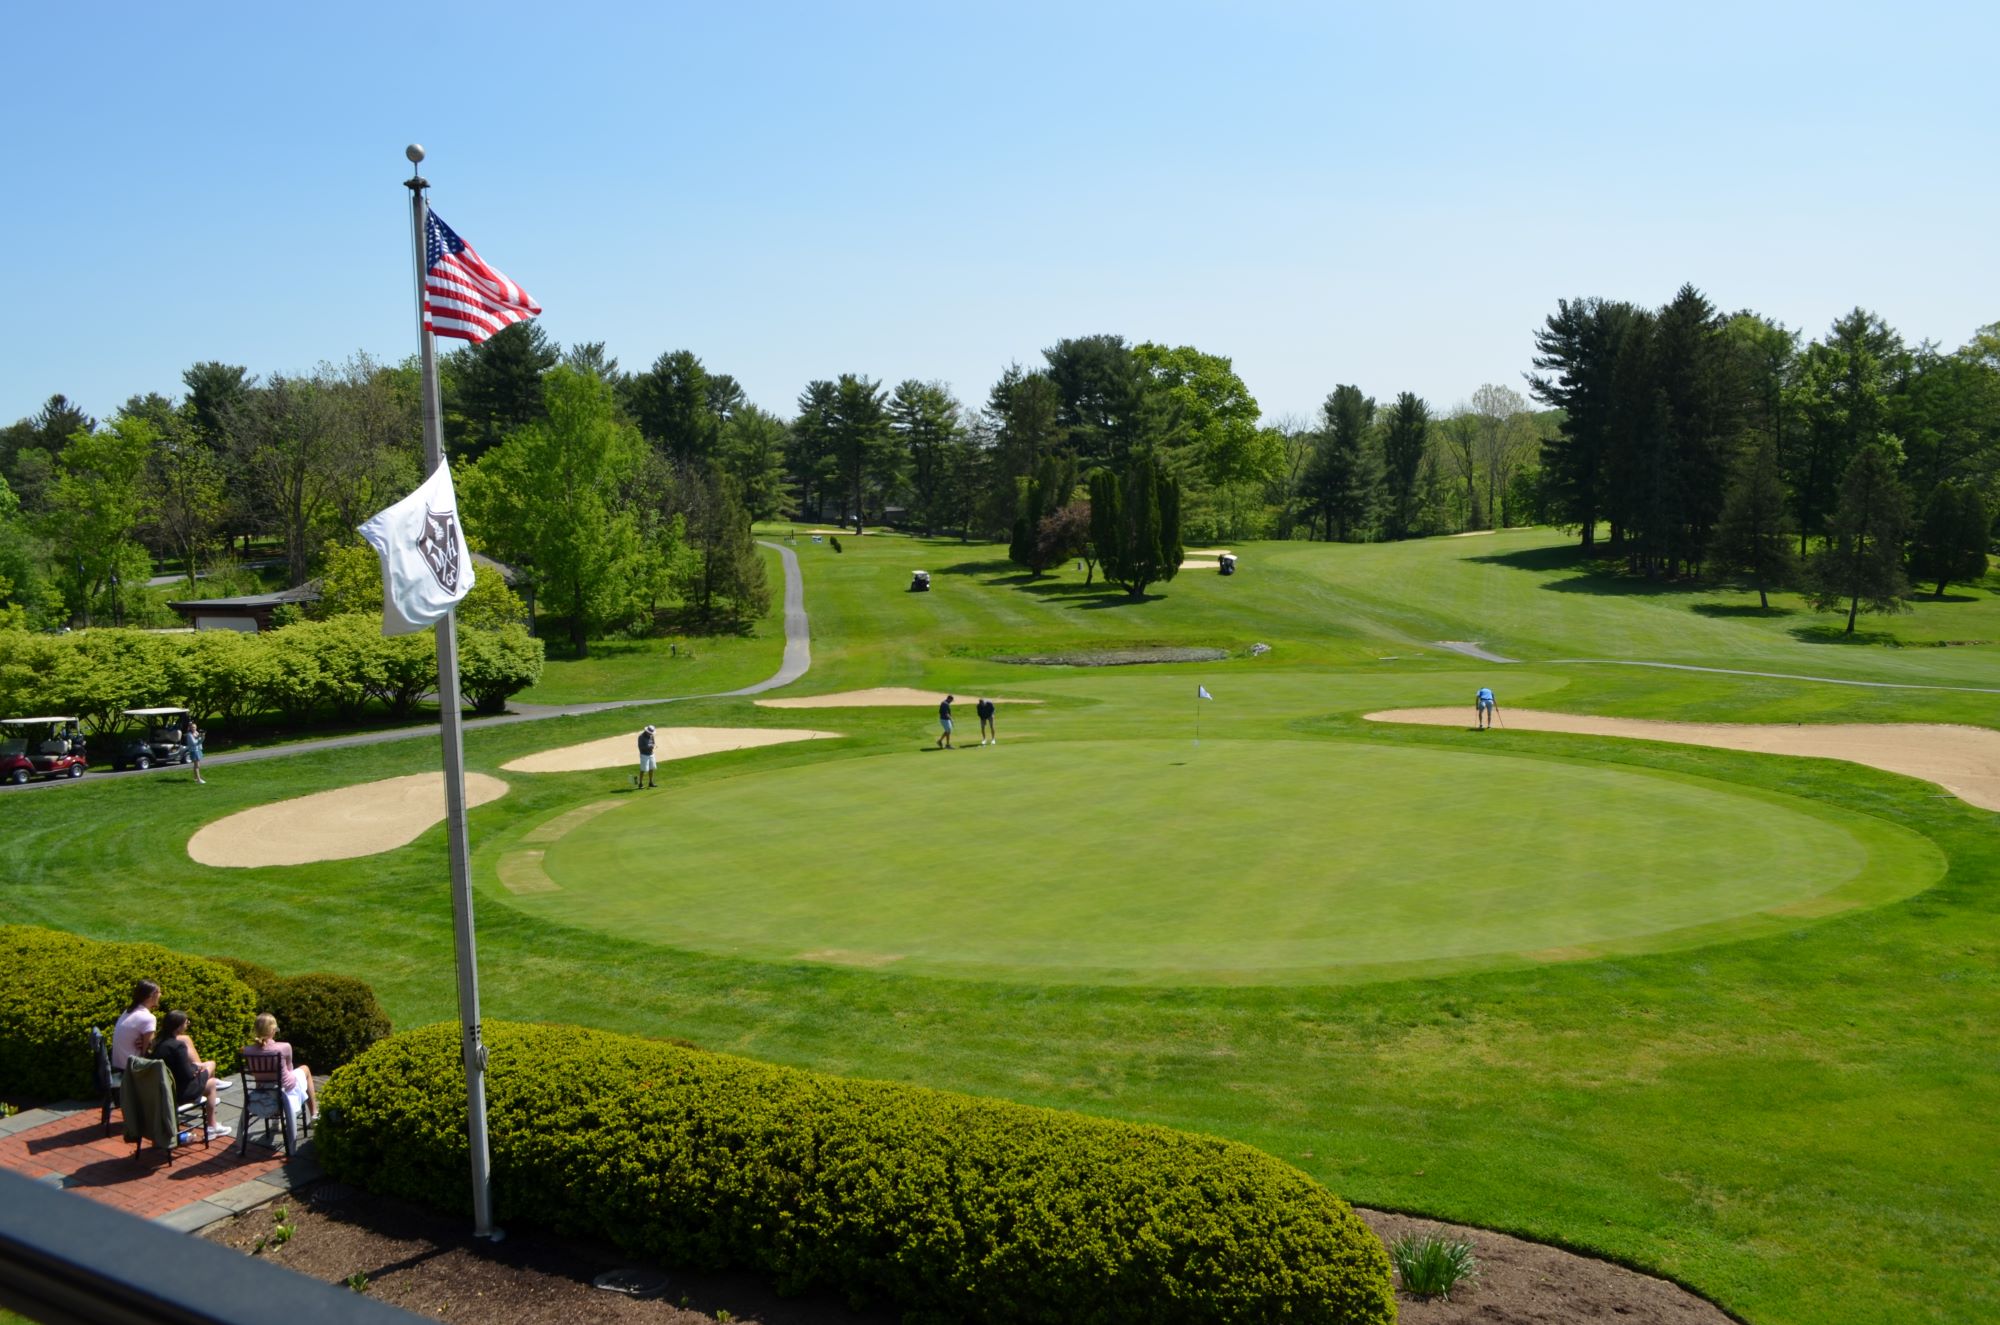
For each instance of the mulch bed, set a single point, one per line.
(430, 1264)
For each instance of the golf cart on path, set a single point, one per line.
(41, 748)
(144, 737)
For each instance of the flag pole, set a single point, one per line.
(472, 1047)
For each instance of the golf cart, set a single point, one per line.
(145, 737)
(920, 581)
(1226, 563)
(41, 748)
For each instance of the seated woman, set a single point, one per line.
(194, 1080)
(298, 1079)
(133, 1033)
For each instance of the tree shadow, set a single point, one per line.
(1726, 610)
(1916, 596)
(1828, 633)
(1117, 597)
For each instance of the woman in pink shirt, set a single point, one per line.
(298, 1078)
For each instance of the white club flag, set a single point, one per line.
(426, 566)
(1204, 692)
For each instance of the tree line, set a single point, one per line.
(627, 496)
(1844, 466)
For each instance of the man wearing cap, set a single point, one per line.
(645, 756)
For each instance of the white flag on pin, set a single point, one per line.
(1204, 691)
(426, 566)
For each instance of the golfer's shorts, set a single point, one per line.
(945, 723)
(645, 763)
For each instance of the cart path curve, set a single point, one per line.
(797, 659)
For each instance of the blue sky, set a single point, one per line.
(1392, 195)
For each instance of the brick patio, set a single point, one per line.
(66, 1146)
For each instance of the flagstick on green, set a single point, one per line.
(474, 1050)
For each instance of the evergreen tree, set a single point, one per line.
(1576, 353)
(923, 416)
(1135, 525)
(1862, 563)
(1951, 538)
(670, 403)
(810, 456)
(1041, 496)
(1753, 536)
(862, 447)
(754, 445)
(1341, 477)
(497, 387)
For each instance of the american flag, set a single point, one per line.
(464, 297)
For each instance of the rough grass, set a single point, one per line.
(1794, 1124)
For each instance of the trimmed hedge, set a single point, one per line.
(329, 1020)
(948, 1206)
(59, 985)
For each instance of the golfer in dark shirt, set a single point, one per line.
(944, 721)
(987, 735)
(645, 755)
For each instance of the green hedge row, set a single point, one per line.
(59, 985)
(327, 1019)
(947, 1206)
(336, 667)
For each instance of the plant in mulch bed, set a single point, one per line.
(947, 1206)
(1432, 1264)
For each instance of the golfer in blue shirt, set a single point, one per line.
(1487, 707)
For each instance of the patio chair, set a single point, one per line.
(107, 1076)
(146, 1096)
(265, 1101)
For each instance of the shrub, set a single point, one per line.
(60, 985)
(261, 979)
(496, 664)
(327, 1019)
(1432, 1264)
(951, 1207)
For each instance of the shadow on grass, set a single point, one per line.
(1726, 610)
(1829, 633)
(1006, 575)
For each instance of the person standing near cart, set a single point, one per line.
(646, 764)
(191, 735)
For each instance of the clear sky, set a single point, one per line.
(1393, 194)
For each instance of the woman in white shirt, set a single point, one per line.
(134, 1032)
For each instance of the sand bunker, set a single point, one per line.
(669, 743)
(335, 825)
(882, 697)
(1965, 761)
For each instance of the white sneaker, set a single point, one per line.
(224, 1084)
(220, 1130)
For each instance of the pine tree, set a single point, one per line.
(1404, 443)
(1951, 539)
(1862, 564)
(1754, 534)
(1135, 525)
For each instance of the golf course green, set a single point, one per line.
(1235, 861)
(1724, 1016)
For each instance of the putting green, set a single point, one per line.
(1235, 861)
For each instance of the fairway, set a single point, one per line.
(1160, 862)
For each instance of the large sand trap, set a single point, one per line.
(335, 825)
(1965, 761)
(884, 697)
(668, 743)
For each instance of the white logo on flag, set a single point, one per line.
(426, 566)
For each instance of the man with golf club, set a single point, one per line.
(1487, 709)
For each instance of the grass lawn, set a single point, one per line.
(1793, 1116)
(1289, 861)
(660, 667)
